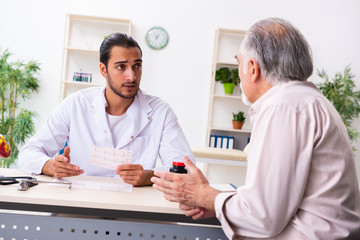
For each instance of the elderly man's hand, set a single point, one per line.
(196, 212)
(192, 189)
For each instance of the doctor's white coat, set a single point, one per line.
(80, 120)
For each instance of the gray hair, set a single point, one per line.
(281, 51)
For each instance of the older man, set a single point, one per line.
(301, 181)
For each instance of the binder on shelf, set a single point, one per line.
(218, 141)
(225, 142)
(231, 142)
(212, 141)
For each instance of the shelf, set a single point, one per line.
(83, 84)
(221, 106)
(228, 64)
(230, 130)
(231, 31)
(97, 18)
(228, 97)
(84, 50)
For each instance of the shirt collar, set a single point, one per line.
(255, 107)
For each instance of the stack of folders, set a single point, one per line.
(217, 141)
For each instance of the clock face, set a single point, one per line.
(157, 38)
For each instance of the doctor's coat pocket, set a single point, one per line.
(144, 151)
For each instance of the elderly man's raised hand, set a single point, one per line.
(192, 190)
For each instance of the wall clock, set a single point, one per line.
(157, 38)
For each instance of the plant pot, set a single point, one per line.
(229, 88)
(237, 125)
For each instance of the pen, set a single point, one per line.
(233, 186)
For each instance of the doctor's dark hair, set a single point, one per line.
(116, 39)
(282, 52)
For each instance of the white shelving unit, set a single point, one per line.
(223, 166)
(83, 36)
(221, 106)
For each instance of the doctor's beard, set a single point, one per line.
(119, 93)
(243, 97)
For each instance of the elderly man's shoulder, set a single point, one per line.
(298, 92)
(297, 96)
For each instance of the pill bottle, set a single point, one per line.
(178, 167)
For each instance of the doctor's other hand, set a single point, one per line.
(135, 174)
(192, 189)
(60, 166)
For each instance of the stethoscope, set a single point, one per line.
(26, 182)
(13, 180)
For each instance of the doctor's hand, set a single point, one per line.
(135, 174)
(192, 190)
(60, 166)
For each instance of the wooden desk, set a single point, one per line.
(141, 214)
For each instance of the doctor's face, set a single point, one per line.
(123, 71)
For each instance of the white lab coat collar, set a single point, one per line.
(139, 112)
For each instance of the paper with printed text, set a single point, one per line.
(109, 157)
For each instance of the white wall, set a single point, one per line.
(179, 74)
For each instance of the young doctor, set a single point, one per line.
(118, 115)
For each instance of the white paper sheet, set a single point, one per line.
(109, 157)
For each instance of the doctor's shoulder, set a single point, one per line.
(156, 103)
(86, 95)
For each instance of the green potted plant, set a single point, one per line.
(17, 80)
(229, 78)
(235, 76)
(341, 93)
(238, 120)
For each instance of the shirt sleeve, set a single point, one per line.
(49, 139)
(278, 164)
(173, 144)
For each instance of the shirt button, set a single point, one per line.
(148, 118)
(132, 137)
(105, 131)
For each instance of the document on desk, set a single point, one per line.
(109, 157)
(119, 186)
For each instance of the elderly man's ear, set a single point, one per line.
(254, 70)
